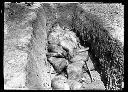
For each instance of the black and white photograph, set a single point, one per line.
(63, 46)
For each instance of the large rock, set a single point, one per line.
(58, 63)
(74, 70)
(54, 48)
(74, 85)
(60, 83)
(83, 56)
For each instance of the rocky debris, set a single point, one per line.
(85, 78)
(74, 70)
(69, 41)
(66, 39)
(83, 56)
(74, 85)
(68, 45)
(52, 39)
(60, 83)
(97, 84)
(56, 50)
(78, 66)
(58, 63)
(52, 54)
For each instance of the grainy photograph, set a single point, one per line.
(63, 46)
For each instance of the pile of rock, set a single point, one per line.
(73, 73)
